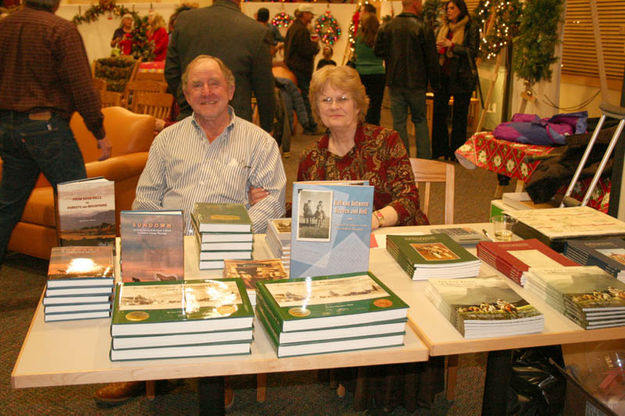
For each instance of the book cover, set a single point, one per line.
(429, 250)
(461, 235)
(516, 257)
(74, 266)
(330, 228)
(86, 212)
(152, 245)
(221, 218)
(173, 307)
(281, 229)
(252, 271)
(328, 301)
(607, 253)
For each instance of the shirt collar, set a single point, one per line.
(228, 128)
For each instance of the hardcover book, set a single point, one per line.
(181, 351)
(330, 228)
(330, 301)
(607, 253)
(225, 237)
(80, 266)
(76, 316)
(553, 226)
(175, 307)
(432, 255)
(513, 258)
(152, 245)
(483, 307)
(215, 337)
(220, 218)
(252, 271)
(461, 235)
(86, 212)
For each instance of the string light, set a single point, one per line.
(282, 19)
(327, 28)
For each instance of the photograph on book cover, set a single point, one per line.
(283, 225)
(434, 251)
(315, 215)
(616, 254)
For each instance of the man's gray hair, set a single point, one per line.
(43, 4)
(224, 69)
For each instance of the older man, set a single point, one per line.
(210, 156)
(223, 31)
(44, 77)
(213, 155)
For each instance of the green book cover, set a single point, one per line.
(221, 218)
(330, 301)
(430, 250)
(170, 307)
(78, 266)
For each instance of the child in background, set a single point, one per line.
(327, 58)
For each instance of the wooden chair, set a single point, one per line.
(134, 87)
(99, 84)
(110, 98)
(157, 104)
(429, 171)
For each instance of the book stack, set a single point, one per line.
(514, 258)
(80, 283)
(607, 253)
(556, 225)
(432, 256)
(326, 314)
(461, 235)
(484, 307)
(172, 319)
(223, 231)
(278, 240)
(252, 271)
(587, 295)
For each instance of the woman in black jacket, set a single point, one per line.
(457, 42)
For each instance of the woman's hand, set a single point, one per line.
(445, 43)
(256, 194)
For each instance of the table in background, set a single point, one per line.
(77, 352)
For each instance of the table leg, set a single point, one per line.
(210, 392)
(498, 372)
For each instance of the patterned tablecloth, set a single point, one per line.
(152, 66)
(482, 150)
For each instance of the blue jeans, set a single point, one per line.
(28, 147)
(403, 99)
(303, 83)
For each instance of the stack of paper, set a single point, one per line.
(326, 314)
(432, 255)
(484, 307)
(514, 258)
(278, 239)
(607, 253)
(173, 319)
(585, 294)
(80, 283)
(223, 231)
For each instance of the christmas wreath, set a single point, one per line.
(282, 19)
(327, 28)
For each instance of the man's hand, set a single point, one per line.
(257, 194)
(105, 148)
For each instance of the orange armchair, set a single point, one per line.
(131, 136)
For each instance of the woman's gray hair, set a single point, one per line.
(43, 4)
(339, 77)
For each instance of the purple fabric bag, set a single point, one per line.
(529, 129)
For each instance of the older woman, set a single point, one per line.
(352, 149)
(457, 42)
(157, 34)
(122, 37)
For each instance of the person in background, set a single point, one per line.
(300, 48)
(327, 57)
(369, 66)
(157, 34)
(262, 17)
(174, 16)
(408, 48)
(122, 37)
(45, 77)
(353, 150)
(458, 44)
(223, 31)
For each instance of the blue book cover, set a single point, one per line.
(331, 227)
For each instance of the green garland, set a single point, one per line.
(535, 46)
(94, 12)
(433, 13)
(505, 28)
